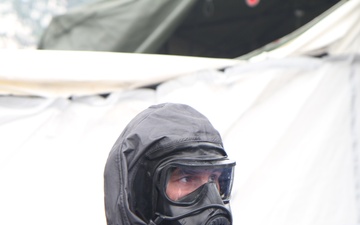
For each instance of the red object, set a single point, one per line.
(252, 3)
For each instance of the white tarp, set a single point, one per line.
(66, 73)
(292, 125)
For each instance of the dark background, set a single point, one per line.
(231, 28)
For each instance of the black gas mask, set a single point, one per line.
(194, 192)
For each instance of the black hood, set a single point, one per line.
(155, 132)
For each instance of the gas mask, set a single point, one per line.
(194, 192)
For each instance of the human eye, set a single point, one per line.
(186, 179)
(214, 176)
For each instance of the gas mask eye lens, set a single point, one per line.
(181, 180)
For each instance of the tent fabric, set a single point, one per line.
(113, 25)
(49, 73)
(291, 124)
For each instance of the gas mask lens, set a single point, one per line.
(183, 180)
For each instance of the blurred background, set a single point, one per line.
(22, 22)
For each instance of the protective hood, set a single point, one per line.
(154, 133)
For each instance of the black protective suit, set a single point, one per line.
(158, 136)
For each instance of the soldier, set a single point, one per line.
(168, 167)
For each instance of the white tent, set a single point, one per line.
(289, 120)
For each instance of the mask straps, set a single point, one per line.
(160, 217)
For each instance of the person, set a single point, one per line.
(168, 167)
